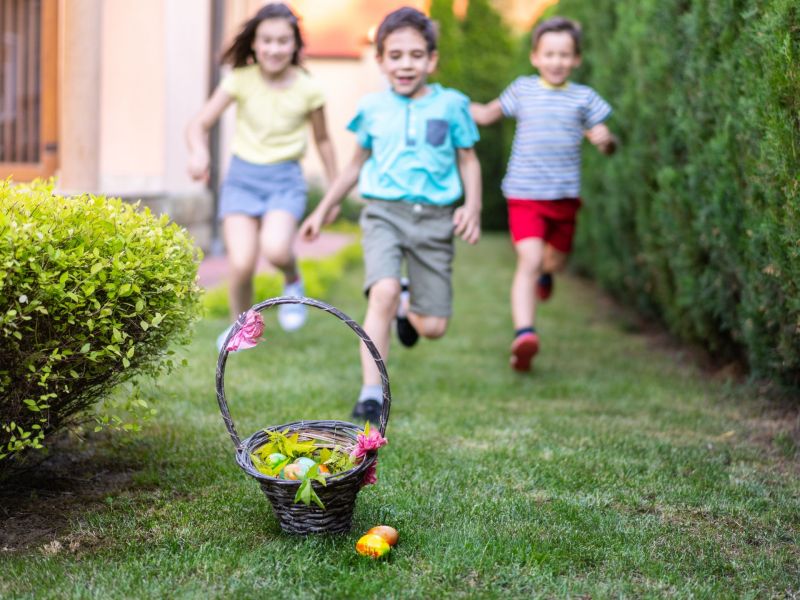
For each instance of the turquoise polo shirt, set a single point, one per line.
(413, 144)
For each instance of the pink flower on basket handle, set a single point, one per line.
(371, 474)
(370, 440)
(250, 333)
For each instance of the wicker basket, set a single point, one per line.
(339, 495)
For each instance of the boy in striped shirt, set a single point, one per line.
(542, 182)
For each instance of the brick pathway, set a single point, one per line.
(213, 269)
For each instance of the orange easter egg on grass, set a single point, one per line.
(373, 546)
(388, 533)
(324, 469)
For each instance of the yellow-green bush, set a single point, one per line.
(318, 275)
(92, 293)
(697, 219)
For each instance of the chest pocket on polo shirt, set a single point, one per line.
(436, 131)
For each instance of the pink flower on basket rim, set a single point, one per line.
(372, 440)
(250, 333)
(371, 474)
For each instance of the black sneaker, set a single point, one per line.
(406, 333)
(368, 410)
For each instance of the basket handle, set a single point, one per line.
(260, 307)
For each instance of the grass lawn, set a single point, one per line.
(618, 469)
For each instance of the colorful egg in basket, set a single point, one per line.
(338, 495)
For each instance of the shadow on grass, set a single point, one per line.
(41, 497)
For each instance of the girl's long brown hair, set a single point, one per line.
(240, 52)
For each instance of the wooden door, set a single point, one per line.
(28, 89)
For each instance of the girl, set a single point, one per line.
(263, 196)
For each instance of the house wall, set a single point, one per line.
(132, 95)
(131, 73)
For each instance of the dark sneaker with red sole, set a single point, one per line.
(544, 286)
(523, 349)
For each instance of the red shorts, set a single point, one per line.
(550, 220)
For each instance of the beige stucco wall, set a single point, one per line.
(130, 74)
(154, 73)
(132, 93)
(188, 47)
(79, 44)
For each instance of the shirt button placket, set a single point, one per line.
(411, 134)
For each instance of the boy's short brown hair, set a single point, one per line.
(406, 17)
(558, 25)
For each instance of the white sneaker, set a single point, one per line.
(221, 337)
(293, 316)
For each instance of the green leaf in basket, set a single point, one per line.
(323, 455)
(288, 446)
(305, 493)
(339, 461)
(265, 450)
(260, 465)
(296, 448)
(273, 469)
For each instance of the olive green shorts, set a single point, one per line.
(420, 234)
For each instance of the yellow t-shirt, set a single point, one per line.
(271, 122)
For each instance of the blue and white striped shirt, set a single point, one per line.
(545, 161)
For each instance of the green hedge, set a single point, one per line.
(92, 293)
(474, 58)
(697, 219)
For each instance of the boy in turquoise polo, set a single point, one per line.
(415, 148)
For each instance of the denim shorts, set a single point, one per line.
(254, 190)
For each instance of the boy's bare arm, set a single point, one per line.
(467, 218)
(323, 142)
(486, 114)
(328, 207)
(601, 136)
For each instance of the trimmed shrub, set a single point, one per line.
(319, 275)
(92, 293)
(696, 221)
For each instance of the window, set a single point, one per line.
(28, 88)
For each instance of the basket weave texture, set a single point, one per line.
(339, 495)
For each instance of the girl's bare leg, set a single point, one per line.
(278, 231)
(240, 233)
